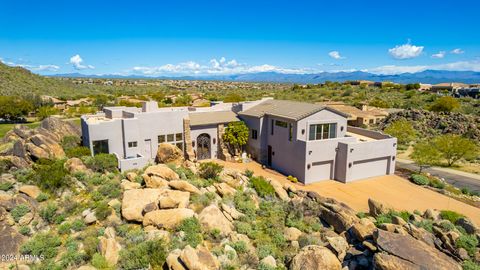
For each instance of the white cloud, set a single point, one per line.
(335, 55)
(77, 61)
(457, 51)
(440, 54)
(220, 66)
(405, 51)
(32, 67)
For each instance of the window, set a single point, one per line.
(179, 145)
(254, 134)
(170, 138)
(132, 144)
(371, 121)
(271, 131)
(161, 138)
(290, 132)
(281, 124)
(100, 147)
(322, 131)
(178, 137)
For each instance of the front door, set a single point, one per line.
(203, 146)
(148, 148)
(269, 158)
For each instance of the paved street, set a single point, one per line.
(457, 178)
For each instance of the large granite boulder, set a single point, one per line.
(212, 218)
(174, 199)
(184, 186)
(74, 165)
(315, 258)
(384, 261)
(59, 128)
(199, 258)
(340, 216)
(30, 190)
(167, 219)
(167, 153)
(162, 171)
(109, 248)
(135, 200)
(414, 251)
(376, 208)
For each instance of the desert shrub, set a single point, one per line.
(248, 173)
(25, 230)
(239, 246)
(99, 262)
(90, 244)
(436, 183)
(469, 242)
(69, 142)
(78, 152)
(193, 231)
(78, 225)
(264, 266)
(204, 199)
(470, 265)
(153, 253)
(405, 215)
(244, 203)
(306, 240)
(4, 166)
(243, 227)
(420, 179)
(42, 197)
(42, 244)
(465, 191)
(102, 211)
(447, 226)
(24, 175)
(209, 170)
(292, 179)
(451, 216)
(19, 211)
(111, 189)
(263, 188)
(72, 257)
(101, 162)
(49, 212)
(427, 224)
(6, 186)
(51, 175)
(64, 228)
(362, 215)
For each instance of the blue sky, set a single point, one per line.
(226, 37)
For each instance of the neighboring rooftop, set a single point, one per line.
(284, 108)
(212, 118)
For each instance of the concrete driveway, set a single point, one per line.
(392, 190)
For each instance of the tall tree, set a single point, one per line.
(402, 130)
(445, 104)
(425, 154)
(454, 148)
(236, 136)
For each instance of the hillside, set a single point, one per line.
(20, 81)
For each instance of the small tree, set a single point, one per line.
(445, 104)
(425, 154)
(46, 111)
(454, 147)
(236, 136)
(402, 130)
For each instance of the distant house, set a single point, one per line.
(309, 141)
(450, 87)
(359, 117)
(57, 103)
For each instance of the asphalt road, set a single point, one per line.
(457, 179)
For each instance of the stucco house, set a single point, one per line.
(309, 141)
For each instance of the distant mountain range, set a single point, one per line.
(427, 76)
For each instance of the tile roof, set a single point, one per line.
(212, 118)
(285, 108)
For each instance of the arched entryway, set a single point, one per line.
(203, 146)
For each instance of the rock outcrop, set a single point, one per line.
(315, 258)
(168, 153)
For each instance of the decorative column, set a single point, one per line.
(189, 154)
(223, 153)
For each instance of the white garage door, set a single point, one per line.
(321, 171)
(369, 168)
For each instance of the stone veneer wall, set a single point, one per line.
(222, 148)
(189, 154)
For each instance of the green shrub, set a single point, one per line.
(193, 231)
(102, 211)
(469, 265)
(64, 228)
(78, 225)
(436, 183)
(263, 188)
(420, 179)
(111, 189)
(210, 170)
(451, 216)
(204, 199)
(51, 175)
(69, 142)
(49, 212)
(78, 152)
(99, 262)
(469, 242)
(362, 215)
(19, 211)
(153, 253)
(427, 224)
(72, 257)
(42, 197)
(239, 246)
(248, 173)
(102, 162)
(42, 244)
(25, 230)
(6, 186)
(244, 203)
(292, 179)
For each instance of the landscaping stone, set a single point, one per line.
(315, 258)
(30, 190)
(199, 258)
(168, 153)
(212, 218)
(168, 218)
(135, 200)
(376, 208)
(292, 233)
(184, 186)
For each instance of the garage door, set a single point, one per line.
(322, 170)
(369, 168)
